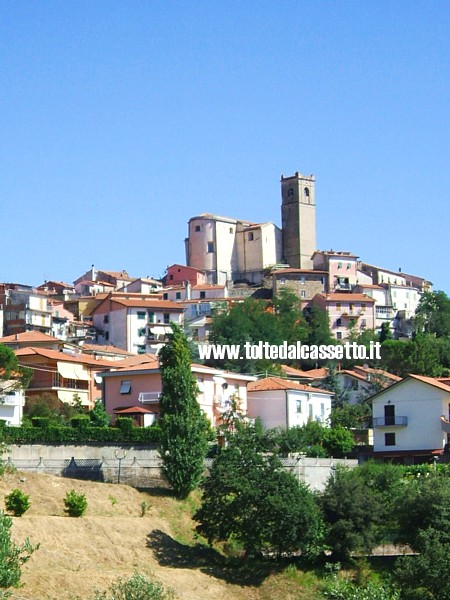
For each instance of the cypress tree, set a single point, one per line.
(184, 428)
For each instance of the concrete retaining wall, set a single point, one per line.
(139, 466)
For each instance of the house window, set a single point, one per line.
(202, 295)
(251, 237)
(298, 406)
(198, 228)
(322, 410)
(166, 318)
(106, 335)
(339, 335)
(338, 322)
(389, 439)
(165, 296)
(310, 411)
(151, 317)
(349, 266)
(283, 280)
(141, 315)
(339, 265)
(363, 306)
(141, 331)
(363, 323)
(125, 387)
(106, 319)
(178, 296)
(171, 277)
(338, 306)
(231, 230)
(210, 247)
(303, 294)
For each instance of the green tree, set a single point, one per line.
(12, 556)
(385, 332)
(433, 314)
(98, 415)
(250, 498)
(424, 504)
(353, 514)
(425, 576)
(420, 356)
(318, 322)
(12, 375)
(184, 429)
(256, 321)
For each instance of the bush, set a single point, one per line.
(80, 421)
(137, 587)
(17, 502)
(340, 588)
(42, 422)
(59, 434)
(76, 504)
(12, 557)
(125, 424)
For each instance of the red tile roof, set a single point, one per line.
(278, 383)
(29, 336)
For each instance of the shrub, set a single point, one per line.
(12, 556)
(75, 504)
(80, 421)
(137, 587)
(42, 422)
(17, 502)
(59, 434)
(125, 424)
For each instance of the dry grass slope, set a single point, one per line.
(78, 556)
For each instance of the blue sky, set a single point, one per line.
(121, 120)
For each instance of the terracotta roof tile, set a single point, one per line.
(278, 383)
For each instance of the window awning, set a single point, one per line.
(72, 371)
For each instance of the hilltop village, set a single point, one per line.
(98, 337)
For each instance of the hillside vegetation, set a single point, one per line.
(78, 556)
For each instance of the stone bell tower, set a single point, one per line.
(298, 219)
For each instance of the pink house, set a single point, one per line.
(180, 274)
(347, 310)
(342, 269)
(140, 387)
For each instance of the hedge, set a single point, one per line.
(67, 435)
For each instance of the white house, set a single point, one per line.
(12, 401)
(361, 382)
(411, 419)
(135, 324)
(279, 402)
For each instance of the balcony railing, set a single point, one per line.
(149, 397)
(390, 421)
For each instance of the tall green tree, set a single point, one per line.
(184, 428)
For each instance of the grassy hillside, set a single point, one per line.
(78, 556)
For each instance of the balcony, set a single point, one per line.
(384, 312)
(149, 397)
(390, 421)
(352, 312)
(11, 400)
